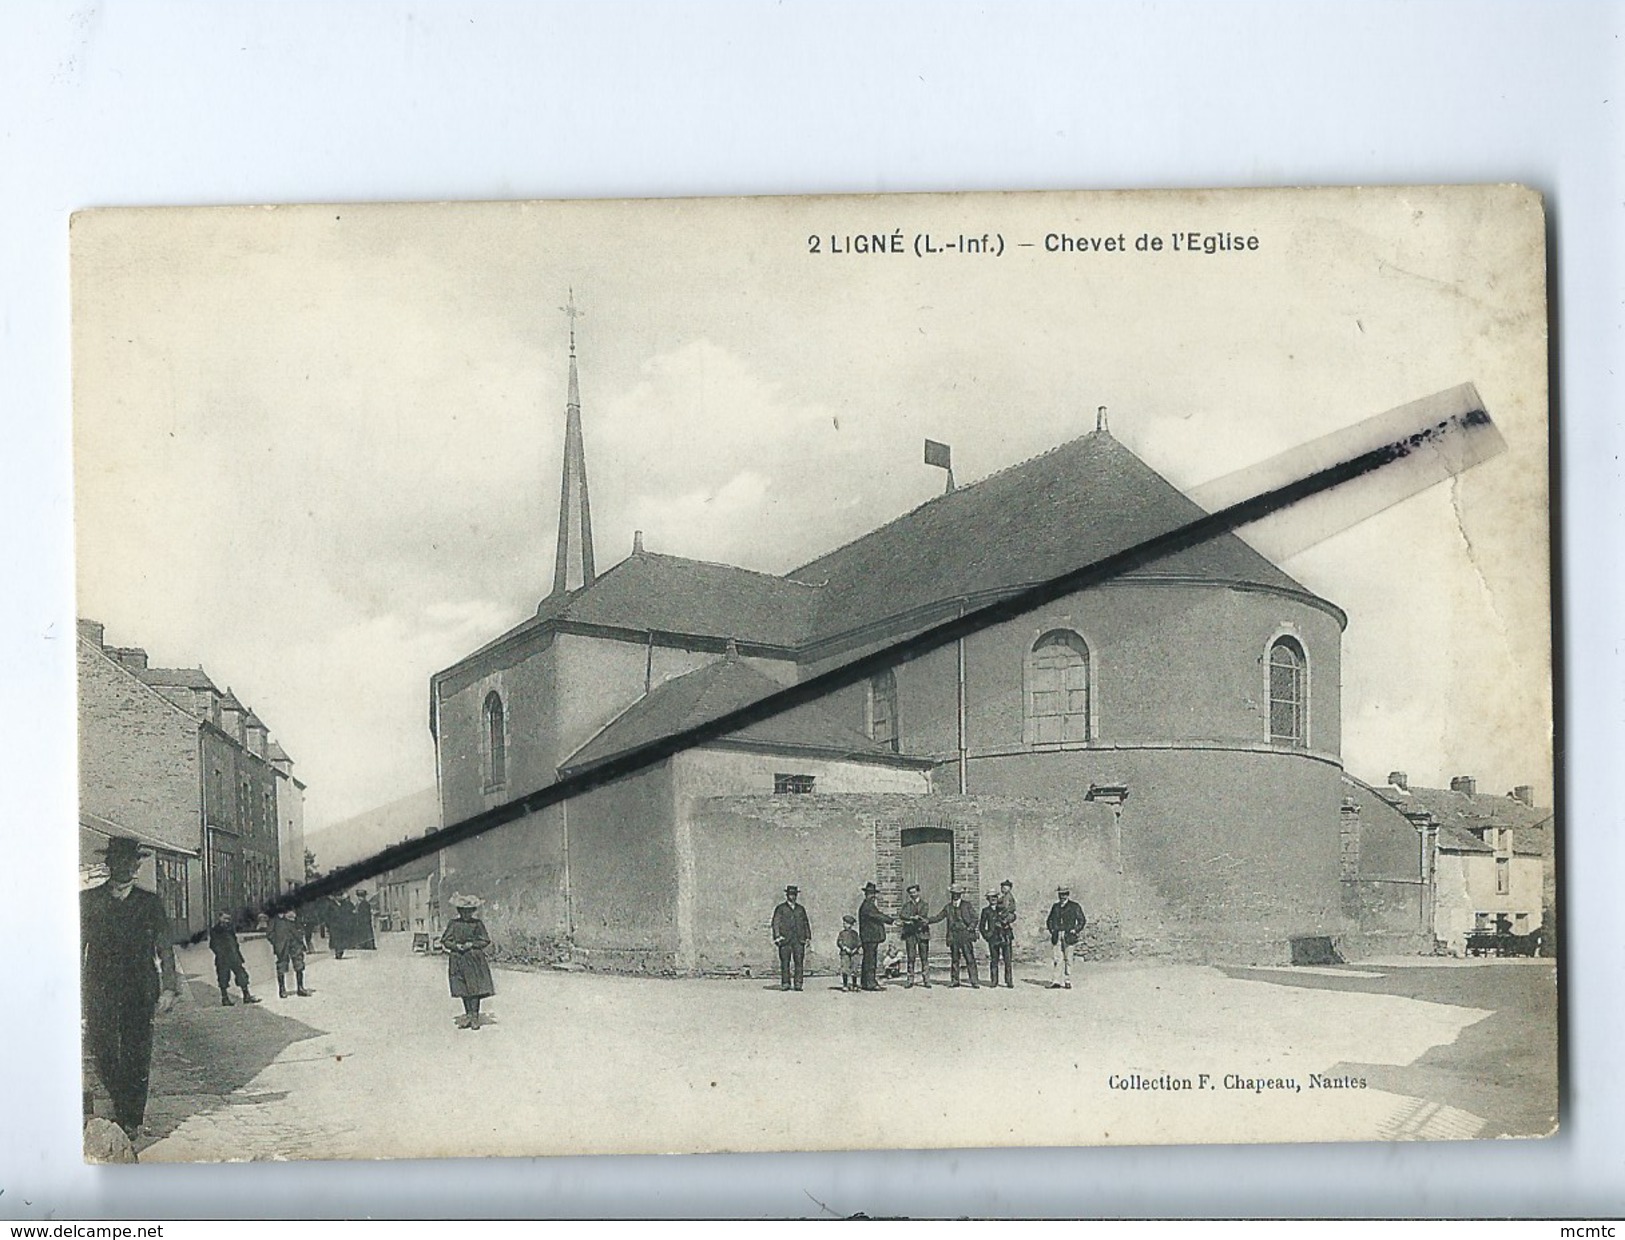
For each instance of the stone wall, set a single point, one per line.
(138, 754)
(745, 849)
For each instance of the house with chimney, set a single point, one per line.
(171, 759)
(1482, 865)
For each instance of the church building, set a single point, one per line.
(1166, 742)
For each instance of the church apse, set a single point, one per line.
(1158, 681)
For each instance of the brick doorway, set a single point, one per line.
(928, 859)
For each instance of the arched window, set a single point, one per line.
(496, 741)
(1058, 689)
(883, 710)
(1289, 693)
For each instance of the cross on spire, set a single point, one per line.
(572, 562)
(572, 312)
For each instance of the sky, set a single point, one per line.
(317, 449)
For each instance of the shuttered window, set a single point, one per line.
(1058, 689)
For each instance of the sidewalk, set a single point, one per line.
(583, 1063)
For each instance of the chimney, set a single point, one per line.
(637, 542)
(93, 632)
(1524, 793)
(131, 657)
(1464, 783)
(1399, 779)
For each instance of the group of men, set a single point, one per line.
(864, 934)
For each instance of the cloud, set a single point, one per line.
(711, 461)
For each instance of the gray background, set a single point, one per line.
(135, 103)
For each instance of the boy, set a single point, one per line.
(288, 942)
(228, 959)
(851, 948)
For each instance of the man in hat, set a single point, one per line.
(998, 936)
(228, 959)
(288, 942)
(963, 923)
(915, 920)
(128, 974)
(340, 920)
(1065, 925)
(872, 925)
(792, 930)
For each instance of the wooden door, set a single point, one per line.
(928, 859)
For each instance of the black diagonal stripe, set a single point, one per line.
(1193, 533)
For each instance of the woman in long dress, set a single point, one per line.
(361, 936)
(466, 941)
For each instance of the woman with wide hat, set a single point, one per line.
(466, 943)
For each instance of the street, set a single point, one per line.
(371, 1065)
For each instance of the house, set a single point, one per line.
(1490, 859)
(1167, 742)
(169, 758)
(1495, 856)
(290, 809)
(409, 898)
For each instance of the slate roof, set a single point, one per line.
(1456, 839)
(671, 594)
(1530, 825)
(1055, 512)
(1067, 508)
(712, 691)
(183, 677)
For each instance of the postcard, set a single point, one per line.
(595, 677)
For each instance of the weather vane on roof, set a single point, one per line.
(573, 312)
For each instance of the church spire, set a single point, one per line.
(572, 565)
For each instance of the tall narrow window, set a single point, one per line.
(1289, 694)
(496, 742)
(1058, 689)
(883, 710)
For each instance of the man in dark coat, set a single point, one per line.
(1065, 925)
(128, 964)
(228, 959)
(915, 920)
(361, 935)
(872, 925)
(963, 924)
(792, 931)
(998, 935)
(340, 917)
